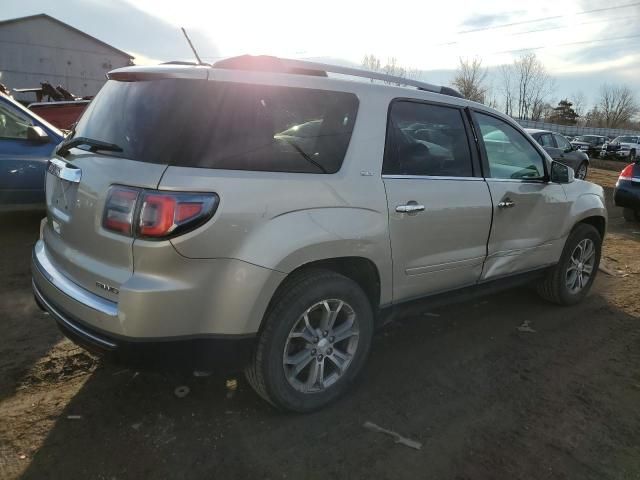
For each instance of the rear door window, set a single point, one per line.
(426, 140)
(198, 123)
(562, 142)
(546, 140)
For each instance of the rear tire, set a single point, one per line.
(632, 156)
(295, 365)
(631, 215)
(570, 280)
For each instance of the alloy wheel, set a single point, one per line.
(582, 171)
(321, 346)
(581, 266)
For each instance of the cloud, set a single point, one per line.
(490, 20)
(119, 24)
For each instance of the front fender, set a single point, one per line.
(586, 205)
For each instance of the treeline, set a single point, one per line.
(525, 89)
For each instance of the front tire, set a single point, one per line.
(316, 338)
(582, 171)
(631, 215)
(571, 279)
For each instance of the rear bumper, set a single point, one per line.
(627, 194)
(615, 153)
(218, 353)
(70, 305)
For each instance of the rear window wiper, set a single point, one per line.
(94, 145)
(304, 154)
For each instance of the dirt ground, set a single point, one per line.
(560, 399)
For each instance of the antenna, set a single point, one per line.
(200, 62)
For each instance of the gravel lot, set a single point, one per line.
(485, 398)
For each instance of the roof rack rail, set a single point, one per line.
(285, 65)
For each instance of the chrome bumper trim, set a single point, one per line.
(68, 324)
(66, 286)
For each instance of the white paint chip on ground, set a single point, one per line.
(525, 327)
(182, 391)
(398, 438)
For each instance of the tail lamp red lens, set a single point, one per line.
(153, 214)
(627, 172)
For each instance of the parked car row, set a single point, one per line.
(590, 144)
(27, 142)
(627, 191)
(626, 146)
(560, 149)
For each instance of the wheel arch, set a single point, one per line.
(596, 221)
(361, 270)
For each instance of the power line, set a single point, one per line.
(567, 44)
(605, 20)
(542, 19)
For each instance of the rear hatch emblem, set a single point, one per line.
(107, 288)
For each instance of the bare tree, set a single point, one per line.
(371, 62)
(593, 118)
(507, 87)
(579, 103)
(533, 85)
(470, 79)
(392, 67)
(617, 105)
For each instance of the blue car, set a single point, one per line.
(26, 144)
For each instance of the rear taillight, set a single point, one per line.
(120, 209)
(626, 173)
(155, 214)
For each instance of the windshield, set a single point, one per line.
(588, 138)
(626, 140)
(32, 115)
(198, 123)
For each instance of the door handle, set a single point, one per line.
(507, 203)
(410, 207)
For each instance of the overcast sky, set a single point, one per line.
(583, 43)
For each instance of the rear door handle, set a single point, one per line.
(507, 203)
(410, 207)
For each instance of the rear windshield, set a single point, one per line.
(199, 123)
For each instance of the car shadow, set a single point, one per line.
(27, 333)
(506, 386)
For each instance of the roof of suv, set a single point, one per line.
(270, 64)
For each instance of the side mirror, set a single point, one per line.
(37, 134)
(561, 173)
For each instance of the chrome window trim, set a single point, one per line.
(434, 177)
(517, 180)
(66, 286)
